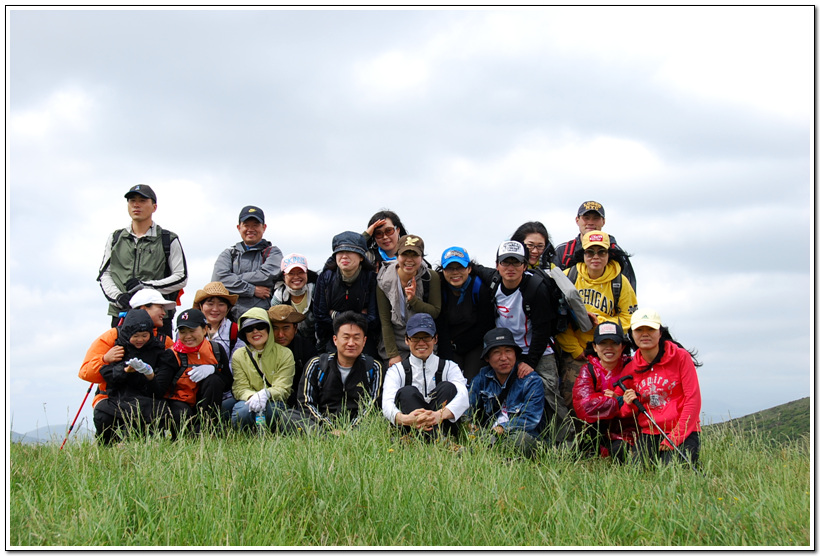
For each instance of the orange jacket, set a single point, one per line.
(185, 389)
(93, 362)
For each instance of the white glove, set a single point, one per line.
(201, 371)
(140, 366)
(258, 401)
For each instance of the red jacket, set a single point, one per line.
(591, 405)
(93, 362)
(670, 392)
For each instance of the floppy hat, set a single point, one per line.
(285, 313)
(349, 241)
(214, 289)
(498, 337)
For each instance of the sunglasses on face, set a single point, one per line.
(257, 327)
(384, 231)
(592, 252)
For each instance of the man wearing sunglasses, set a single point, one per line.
(590, 218)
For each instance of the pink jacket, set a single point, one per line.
(670, 392)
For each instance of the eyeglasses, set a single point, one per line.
(592, 252)
(511, 262)
(416, 339)
(257, 327)
(385, 231)
(535, 246)
(455, 268)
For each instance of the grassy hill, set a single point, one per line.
(781, 423)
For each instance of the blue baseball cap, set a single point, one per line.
(421, 322)
(455, 255)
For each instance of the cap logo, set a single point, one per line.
(596, 237)
(453, 253)
(607, 328)
(136, 188)
(251, 210)
(592, 205)
(184, 316)
(411, 241)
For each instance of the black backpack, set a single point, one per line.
(183, 362)
(408, 371)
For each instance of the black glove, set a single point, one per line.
(131, 284)
(123, 301)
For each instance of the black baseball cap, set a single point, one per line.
(191, 318)
(251, 211)
(142, 190)
(609, 331)
(591, 206)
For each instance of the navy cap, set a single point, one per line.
(609, 331)
(421, 322)
(142, 190)
(498, 337)
(191, 318)
(251, 211)
(349, 241)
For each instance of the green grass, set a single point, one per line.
(781, 423)
(369, 489)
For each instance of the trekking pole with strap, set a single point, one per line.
(643, 410)
(76, 416)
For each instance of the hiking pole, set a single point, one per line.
(643, 410)
(78, 414)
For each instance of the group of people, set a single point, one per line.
(534, 349)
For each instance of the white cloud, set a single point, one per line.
(67, 109)
(393, 75)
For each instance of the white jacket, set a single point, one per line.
(424, 378)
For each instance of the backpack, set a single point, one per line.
(476, 287)
(617, 254)
(324, 361)
(570, 307)
(183, 361)
(617, 282)
(265, 252)
(166, 248)
(408, 371)
(233, 336)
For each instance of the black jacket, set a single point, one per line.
(461, 326)
(332, 295)
(303, 351)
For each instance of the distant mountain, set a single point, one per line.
(781, 423)
(54, 433)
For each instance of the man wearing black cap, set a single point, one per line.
(591, 217)
(248, 269)
(141, 255)
(510, 406)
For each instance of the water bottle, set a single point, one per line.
(260, 420)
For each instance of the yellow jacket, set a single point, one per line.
(597, 296)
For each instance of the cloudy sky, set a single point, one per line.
(692, 125)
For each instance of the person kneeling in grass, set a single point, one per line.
(340, 385)
(203, 375)
(423, 391)
(596, 399)
(136, 382)
(512, 407)
(263, 373)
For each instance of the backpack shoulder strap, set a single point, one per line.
(183, 364)
(166, 248)
(256, 366)
(569, 252)
(217, 349)
(592, 374)
(476, 286)
(408, 371)
(440, 371)
(617, 282)
(573, 274)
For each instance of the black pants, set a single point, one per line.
(126, 415)
(648, 448)
(594, 436)
(408, 399)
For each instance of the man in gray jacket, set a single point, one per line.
(250, 267)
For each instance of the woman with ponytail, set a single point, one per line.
(666, 382)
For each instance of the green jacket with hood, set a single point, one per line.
(275, 361)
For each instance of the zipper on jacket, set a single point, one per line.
(424, 374)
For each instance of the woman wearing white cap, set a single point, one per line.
(606, 294)
(296, 289)
(666, 382)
